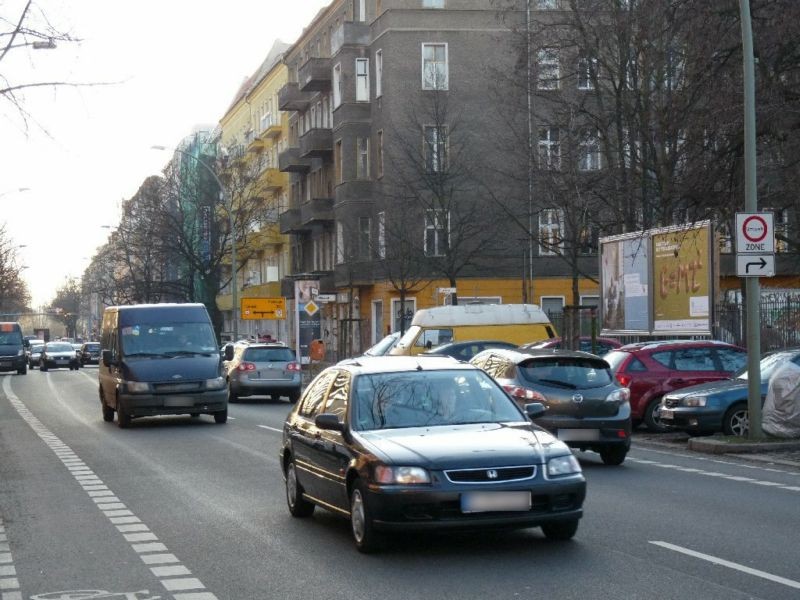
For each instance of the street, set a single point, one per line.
(183, 508)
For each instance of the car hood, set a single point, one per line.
(464, 446)
(716, 388)
(173, 370)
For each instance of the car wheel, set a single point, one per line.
(43, 367)
(294, 397)
(614, 455)
(651, 419)
(221, 416)
(108, 412)
(123, 416)
(560, 530)
(298, 506)
(361, 524)
(736, 421)
(232, 396)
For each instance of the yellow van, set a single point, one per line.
(516, 323)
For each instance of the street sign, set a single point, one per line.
(755, 265)
(263, 308)
(325, 298)
(446, 290)
(755, 233)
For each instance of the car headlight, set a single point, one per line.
(215, 384)
(401, 475)
(21, 352)
(620, 395)
(137, 387)
(563, 465)
(694, 401)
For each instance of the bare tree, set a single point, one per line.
(67, 305)
(14, 294)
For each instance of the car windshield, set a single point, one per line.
(769, 364)
(93, 346)
(428, 398)
(10, 338)
(615, 359)
(269, 355)
(567, 372)
(177, 339)
(383, 346)
(60, 347)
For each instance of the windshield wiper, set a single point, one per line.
(144, 354)
(174, 353)
(565, 384)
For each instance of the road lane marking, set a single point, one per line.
(731, 565)
(271, 428)
(716, 460)
(716, 474)
(142, 542)
(9, 584)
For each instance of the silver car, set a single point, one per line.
(264, 369)
(59, 354)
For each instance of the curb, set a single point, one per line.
(711, 446)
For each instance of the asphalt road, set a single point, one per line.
(183, 508)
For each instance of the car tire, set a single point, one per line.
(221, 416)
(651, 420)
(362, 527)
(736, 421)
(560, 531)
(123, 416)
(108, 412)
(43, 367)
(232, 396)
(298, 506)
(615, 455)
(294, 397)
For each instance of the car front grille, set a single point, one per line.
(491, 475)
(189, 386)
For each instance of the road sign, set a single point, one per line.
(755, 265)
(311, 308)
(325, 298)
(446, 290)
(263, 308)
(755, 233)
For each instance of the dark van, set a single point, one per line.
(160, 359)
(12, 349)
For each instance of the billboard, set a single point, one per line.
(308, 314)
(263, 308)
(657, 282)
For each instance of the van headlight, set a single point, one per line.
(215, 384)
(137, 387)
(563, 465)
(21, 352)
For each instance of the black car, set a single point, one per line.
(586, 407)
(406, 443)
(90, 353)
(466, 350)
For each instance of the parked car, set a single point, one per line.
(652, 369)
(586, 407)
(720, 405)
(602, 345)
(57, 355)
(264, 369)
(400, 443)
(35, 352)
(90, 353)
(383, 346)
(466, 350)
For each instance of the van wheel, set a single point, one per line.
(123, 416)
(221, 416)
(232, 397)
(22, 370)
(108, 412)
(294, 397)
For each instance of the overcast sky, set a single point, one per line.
(175, 64)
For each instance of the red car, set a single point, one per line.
(652, 369)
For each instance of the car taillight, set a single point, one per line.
(293, 366)
(246, 366)
(624, 380)
(522, 393)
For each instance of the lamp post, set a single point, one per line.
(227, 201)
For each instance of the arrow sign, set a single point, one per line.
(762, 265)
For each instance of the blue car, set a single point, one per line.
(719, 405)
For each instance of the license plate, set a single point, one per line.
(62, 360)
(578, 435)
(666, 414)
(179, 401)
(5, 364)
(474, 502)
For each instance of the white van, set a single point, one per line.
(516, 323)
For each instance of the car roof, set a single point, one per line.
(362, 365)
(449, 345)
(667, 344)
(522, 354)
(266, 345)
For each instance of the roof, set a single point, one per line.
(399, 364)
(520, 355)
(677, 343)
(480, 314)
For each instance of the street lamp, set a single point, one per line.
(227, 201)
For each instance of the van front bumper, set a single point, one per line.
(13, 363)
(143, 405)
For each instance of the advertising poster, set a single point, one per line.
(308, 315)
(625, 283)
(681, 274)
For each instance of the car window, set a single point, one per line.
(664, 358)
(731, 360)
(269, 355)
(616, 359)
(431, 338)
(694, 359)
(338, 394)
(567, 372)
(316, 394)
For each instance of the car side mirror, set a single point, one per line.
(107, 358)
(534, 410)
(328, 421)
(228, 352)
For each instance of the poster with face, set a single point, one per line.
(625, 284)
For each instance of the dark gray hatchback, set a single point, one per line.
(586, 407)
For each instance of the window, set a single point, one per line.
(731, 360)
(434, 67)
(547, 4)
(551, 224)
(781, 224)
(587, 71)
(362, 158)
(694, 359)
(361, 13)
(379, 73)
(549, 149)
(337, 397)
(663, 358)
(552, 305)
(337, 159)
(432, 3)
(339, 243)
(589, 159)
(382, 234)
(548, 69)
(402, 315)
(435, 148)
(380, 153)
(437, 229)
(316, 394)
(362, 80)
(337, 85)
(364, 237)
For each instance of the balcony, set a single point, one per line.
(290, 161)
(272, 180)
(316, 143)
(350, 34)
(291, 98)
(315, 75)
(289, 222)
(316, 210)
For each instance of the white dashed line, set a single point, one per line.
(731, 565)
(716, 461)
(136, 533)
(271, 428)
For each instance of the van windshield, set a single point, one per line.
(10, 338)
(176, 339)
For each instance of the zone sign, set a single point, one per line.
(755, 233)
